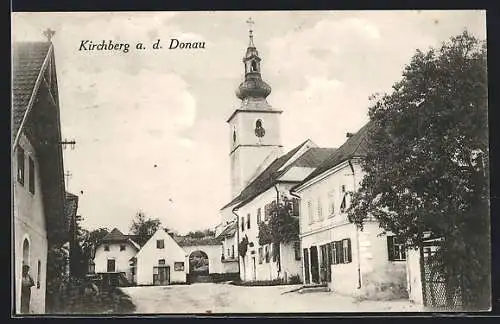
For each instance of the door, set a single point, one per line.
(314, 264)
(111, 265)
(161, 275)
(254, 274)
(164, 276)
(307, 279)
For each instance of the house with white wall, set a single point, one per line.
(114, 253)
(269, 188)
(336, 251)
(38, 189)
(161, 261)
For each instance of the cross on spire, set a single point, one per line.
(49, 33)
(250, 22)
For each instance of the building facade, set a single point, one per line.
(161, 261)
(114, 253)
(37, 168)
(335, 251)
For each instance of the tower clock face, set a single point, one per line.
(259, 129)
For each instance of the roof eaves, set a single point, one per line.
(33, 95)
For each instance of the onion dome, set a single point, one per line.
(253, 86)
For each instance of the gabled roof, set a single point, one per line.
(115, 236)
(27, 64)
(354, 146)
(229, 231)
(269, 177)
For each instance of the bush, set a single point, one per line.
(76, 299)
(294, 280)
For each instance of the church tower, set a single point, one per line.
(255, 126)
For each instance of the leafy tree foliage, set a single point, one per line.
(281, 226)
(201, 234)
(427, 162)
(243, 246)
(90, 240)
(144, 228)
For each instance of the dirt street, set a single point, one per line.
(225, 298)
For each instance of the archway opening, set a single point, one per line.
(199, 266)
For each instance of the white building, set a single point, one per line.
(254, 205)
(335, 251)
(38, 190)
(114, 253)
(161, 261)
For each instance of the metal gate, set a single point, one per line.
(436, 291)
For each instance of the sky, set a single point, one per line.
(150, 125)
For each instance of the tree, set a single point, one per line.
(143, 227)
(281, 227)
(90, 240)
(427, 162)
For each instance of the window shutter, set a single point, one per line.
(390, 247)
(329, 251)
(340, 253)
(349, 253)
(295, 207)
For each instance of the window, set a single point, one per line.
(38, 274)
(242, 224)
(267, 253)
(341, 251)
(320, 210)
(20, 165)
(343, 203)
(267, 211)
(31, 175)
(248, 221)
(228, 252)
(258, 216)
(395, 249)
(122, 247)
(295, 207)
(161, 262)
(331, 203)
(261, 256)
(178, 266)
(232, 251)
(111, 265)
(310, 212)
(160, 244)
(346, 249)
(296, 247)
(106, 247)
